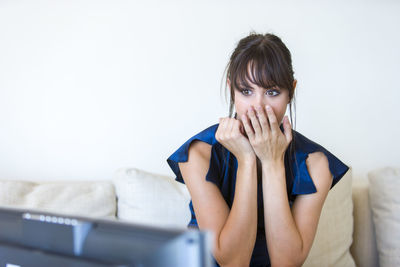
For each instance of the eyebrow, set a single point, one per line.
(268, 88)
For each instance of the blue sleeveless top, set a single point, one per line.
(222, 172)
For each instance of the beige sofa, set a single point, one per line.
(345, 235)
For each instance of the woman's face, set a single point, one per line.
(257, 96)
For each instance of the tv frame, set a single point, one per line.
(40, 238)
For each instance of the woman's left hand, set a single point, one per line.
(265, 136)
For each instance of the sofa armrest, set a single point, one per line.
(363, 248)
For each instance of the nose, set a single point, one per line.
(259, 101)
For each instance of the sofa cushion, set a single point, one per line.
(385, 202)
(331, 246)
(91, 198)
(152, 199)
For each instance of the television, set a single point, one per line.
(35, 238)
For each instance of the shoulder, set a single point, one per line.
(200, 145)
(318, 168)
(199, 150)
(317, 159)
(199, 165)
(304, 144)
(207, 135)
(314, 155)
(199, 154)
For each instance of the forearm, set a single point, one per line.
(237, 237)
(283, 238)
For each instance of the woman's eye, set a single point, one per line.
(272, 92)
(245, 91)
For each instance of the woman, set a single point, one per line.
(268, 182)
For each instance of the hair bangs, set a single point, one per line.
(260, 69)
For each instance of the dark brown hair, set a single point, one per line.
(270, 63)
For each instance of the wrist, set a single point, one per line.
(247, 159)
(273, 166)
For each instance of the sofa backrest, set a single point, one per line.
(85, 198)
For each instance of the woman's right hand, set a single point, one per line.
(230, 134)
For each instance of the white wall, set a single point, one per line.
(87, 87)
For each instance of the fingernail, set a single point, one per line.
(268, 108)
